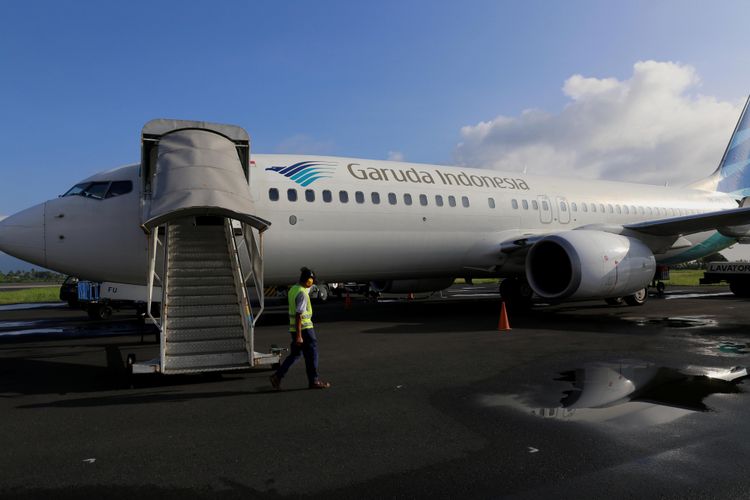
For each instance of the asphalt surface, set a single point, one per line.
(428, 400)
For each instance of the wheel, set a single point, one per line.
(741, 288)
(638, 298)
(660, 286)
(323, 293)
(614, 301)
(99, 312)
(516, 293)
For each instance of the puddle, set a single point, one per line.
(39, 305)
(676, 321)
(697, 295)
(627, 395)
(732, 348)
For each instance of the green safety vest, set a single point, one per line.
(306, 316)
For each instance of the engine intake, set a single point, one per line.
(587, 264)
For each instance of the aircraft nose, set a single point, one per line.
(22, 235)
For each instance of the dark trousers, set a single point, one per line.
(308, 349)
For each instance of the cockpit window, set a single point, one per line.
(100, 190)
(119, 188)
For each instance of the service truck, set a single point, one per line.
(737, 274)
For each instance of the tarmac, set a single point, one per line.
(428, 399)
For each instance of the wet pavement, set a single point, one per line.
(428, 399)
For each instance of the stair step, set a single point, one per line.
(195, 311)
(203, 300)
(198, 272)
(201, 290)
(201, 264)
(180, 255)
(207, 361)
(207, 333)
(176, 324)
(202, 347)
(182, 284)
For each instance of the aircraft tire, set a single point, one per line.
(638, 298)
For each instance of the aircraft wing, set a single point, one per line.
(728, 222)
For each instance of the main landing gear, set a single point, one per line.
(516, 293)
(637, 299)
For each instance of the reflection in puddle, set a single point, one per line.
(627, 394)
(677, 321)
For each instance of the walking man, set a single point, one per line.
(304, 342)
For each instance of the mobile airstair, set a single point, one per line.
(205, 247)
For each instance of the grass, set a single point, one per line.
(44, 294)
(684, 277)
(677, 277)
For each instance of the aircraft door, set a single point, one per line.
(545, 209)
(563, 210)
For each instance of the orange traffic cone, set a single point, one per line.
(504, 324)
(347, 301)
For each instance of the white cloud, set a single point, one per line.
(653, 127)
(395, 156)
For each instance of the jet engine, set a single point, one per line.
(411, 286)
(588, 264)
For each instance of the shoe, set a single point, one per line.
(319, 384)
(275, 381)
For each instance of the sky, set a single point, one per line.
(641, 90)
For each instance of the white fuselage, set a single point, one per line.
(360, 239)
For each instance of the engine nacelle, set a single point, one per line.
(411, 286)
(587, 264)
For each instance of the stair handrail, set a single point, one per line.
(246, 312)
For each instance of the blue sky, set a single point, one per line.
(79, 79)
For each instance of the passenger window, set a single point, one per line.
(343, 197)
(407, 199)
(119, 188)
(273, 194)
(574, 207)
(514, 204)
(309, 195)
(593, 207)
(525, 204)
(375, 198)
(291, 194)
(534, 205)
(359, 196)
(601, 207)
(423, 200)
(584, 207)
(563, 206)
(439, 200)
(491, 202)
(626, 210)
(452, 200)
(545, 205)
(392, 198)
(611, 208)
(465, 201)
(619, 210)
(327, 196)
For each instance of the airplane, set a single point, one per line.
(405, 227)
